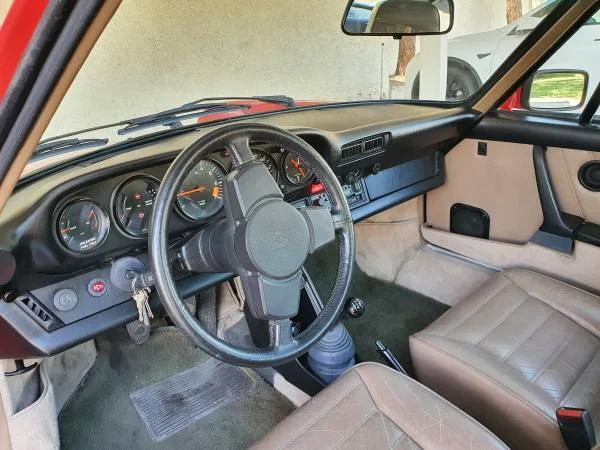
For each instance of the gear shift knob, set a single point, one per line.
(355, 307)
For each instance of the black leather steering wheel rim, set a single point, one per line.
(282, 349)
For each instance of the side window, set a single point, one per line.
(566, 82)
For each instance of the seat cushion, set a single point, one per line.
(513, 352)
(372, 406)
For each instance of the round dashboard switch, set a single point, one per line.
(96, 287)
(65, 299)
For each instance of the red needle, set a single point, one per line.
(296, 165)
(191, 191)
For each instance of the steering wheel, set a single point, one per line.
(263, 239)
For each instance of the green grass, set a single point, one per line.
(558, 86)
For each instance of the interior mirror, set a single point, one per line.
(556, 90)
(398, 17)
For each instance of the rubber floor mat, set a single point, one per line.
(174, 403)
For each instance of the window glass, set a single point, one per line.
(158, 54)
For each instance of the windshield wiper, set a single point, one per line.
(169, 117)
(68, 145)
(173, 117)
(278, 99)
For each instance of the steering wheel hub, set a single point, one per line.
(276, 239)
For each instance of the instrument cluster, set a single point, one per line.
(83, 224)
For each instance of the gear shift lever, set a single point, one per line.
(354, 308)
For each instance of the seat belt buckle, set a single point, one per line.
(576, 428)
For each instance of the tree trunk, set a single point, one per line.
(406, 52)
(514, 10)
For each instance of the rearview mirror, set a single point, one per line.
(558, 90)
(398, 17)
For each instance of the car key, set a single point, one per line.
(141, 298)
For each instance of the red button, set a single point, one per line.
(96, 287)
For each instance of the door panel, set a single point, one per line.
(573, 197)
(580, 268)
(502, 183)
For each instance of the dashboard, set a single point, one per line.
(78, 231)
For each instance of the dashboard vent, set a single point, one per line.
(364, 147)
(374, 144)
(352, 150)
(39, 313)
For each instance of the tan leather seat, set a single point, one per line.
(513, 352)
(374, 407)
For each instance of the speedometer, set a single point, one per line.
(82, 226)
(201, 194)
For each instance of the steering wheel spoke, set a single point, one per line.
(240, 151)
(270, 298)
(321, 226)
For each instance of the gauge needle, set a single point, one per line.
(191, 191)
(297, 166)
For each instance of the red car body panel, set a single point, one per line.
(254, 107)
(513, 102)
(15, 34)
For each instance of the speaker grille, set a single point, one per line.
(470, 221)
(589, 176)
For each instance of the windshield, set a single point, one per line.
(156, 55)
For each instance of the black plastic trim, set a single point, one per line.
(532, 129)
(555, 222)
(590, 109)
(588, 233)
(21, 118)
(51, 23)
(22, 337)
(402, 195)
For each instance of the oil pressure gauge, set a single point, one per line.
(83, 225)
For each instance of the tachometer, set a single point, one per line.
(295, 169)
(83, 225)
(267, 160)
(133, 204)
(201, 194)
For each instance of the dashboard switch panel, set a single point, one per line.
(356, 195)
(65, 299)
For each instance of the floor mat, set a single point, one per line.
(174, 403)
(393, 313)
(101, 415)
